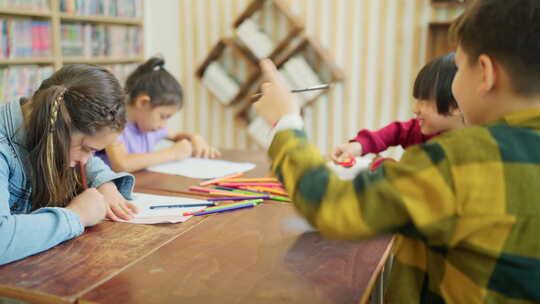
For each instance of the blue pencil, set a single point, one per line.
(183, 205)
(225, 209)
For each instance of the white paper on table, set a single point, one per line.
(161, 215)
(202, 168)
(362, 163)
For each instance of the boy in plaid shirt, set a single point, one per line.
(466, 204)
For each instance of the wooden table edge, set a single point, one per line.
(376, 273)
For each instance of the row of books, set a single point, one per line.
(34, 5)
(95, 40)
(121, 71)
(114, 8)
(21, 81)
(23, 38)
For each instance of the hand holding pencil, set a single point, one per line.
(277, 100)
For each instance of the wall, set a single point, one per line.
(161, 24)
(380, 44)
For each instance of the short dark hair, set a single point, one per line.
(434, 82)
(153, 80)
(507, 30)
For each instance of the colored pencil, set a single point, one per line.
(256, 202)
(200, 189)
(230, 194)
(225, 209)
(248, 184)
(216, 180)
(269, 190)
(237, 198)
(82, 171)
(252, 180)
(183, 205)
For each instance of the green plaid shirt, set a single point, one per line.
(465, 207)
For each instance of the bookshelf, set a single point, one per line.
(62, 20)
(320, 70)
(251, 26)
(236, 65)
(438, 41)
(295, 54)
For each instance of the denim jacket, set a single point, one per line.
(22, 232)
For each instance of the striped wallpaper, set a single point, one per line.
(380, 45)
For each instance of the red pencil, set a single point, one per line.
(82, 172)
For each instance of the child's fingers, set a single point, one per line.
(336, 155)
(120, 212)
(111, 215)
(126, 208)
(132, 207)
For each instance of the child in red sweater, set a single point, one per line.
(435, 108)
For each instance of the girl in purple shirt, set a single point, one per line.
(154, 95)
(435, 108)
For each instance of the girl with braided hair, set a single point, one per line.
(153, 96)
(46, 145)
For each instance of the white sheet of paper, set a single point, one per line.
(161, 215)
(362, 163)
(202, 168)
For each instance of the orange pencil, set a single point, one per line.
(216, 180)
(269, 190)
(230, 194)
(252, 180)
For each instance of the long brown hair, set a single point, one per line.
(77, 98)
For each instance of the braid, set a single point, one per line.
(55, 108)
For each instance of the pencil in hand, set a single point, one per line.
(313, 88)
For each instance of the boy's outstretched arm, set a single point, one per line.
(414, 196)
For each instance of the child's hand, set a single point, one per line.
(277, 100)
(117, 205)
(202, 149)
(344, 151)
(89, 206)
(182, 149)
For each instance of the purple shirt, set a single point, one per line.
(135, 141)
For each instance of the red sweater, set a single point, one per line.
(403, 134)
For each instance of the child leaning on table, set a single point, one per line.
(75, 112)
(154, 96)
(435, 108)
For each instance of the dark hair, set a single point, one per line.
(77, 98)
(507, 30)
(153, 80)
(434, 82)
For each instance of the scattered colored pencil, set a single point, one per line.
(224, 184)
(183, 205)
(225, 209)
(216, 180)
(256, 202)
(269, 190)
(237, 198)
(252, 180)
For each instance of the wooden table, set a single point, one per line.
(258, 255)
